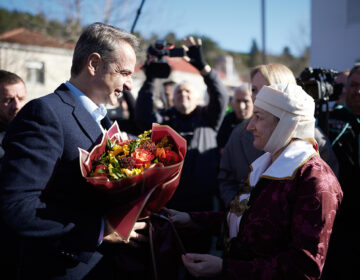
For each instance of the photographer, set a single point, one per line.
(199, 126)
(344, 130)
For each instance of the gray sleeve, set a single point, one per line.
(325, 150)
(214, 112)
(234, 165)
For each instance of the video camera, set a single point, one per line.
(156, 65)
(320, 84)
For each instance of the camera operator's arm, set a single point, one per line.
(144, 107)
(218, 95)
(218, 100)
(194, 55)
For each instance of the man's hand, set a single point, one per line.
(202, 265)
(194, 53)
(182, 219)
(112, 236)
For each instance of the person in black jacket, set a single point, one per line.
(344, 133)
(199, 126)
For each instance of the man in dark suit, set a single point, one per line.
(55, 217)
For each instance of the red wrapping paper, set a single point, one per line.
(148, 192)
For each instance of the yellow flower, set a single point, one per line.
(120, 151)
(126, 171)
(129, 173)
(136, 171)
(111, 167)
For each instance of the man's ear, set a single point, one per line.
(93, 64)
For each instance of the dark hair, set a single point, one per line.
(169, 83)
(9, 78)
(355, 69)
(102, 39)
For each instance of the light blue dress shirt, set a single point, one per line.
(98, 113)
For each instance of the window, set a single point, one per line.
(35, 72)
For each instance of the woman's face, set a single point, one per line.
(257, 82)
(262, 125)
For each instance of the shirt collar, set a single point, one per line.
(97, 112)
(284, 167)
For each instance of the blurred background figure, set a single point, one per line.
(168, 91)
(239, 152)
(341, 80)
(242, 108)
(124, 114)
(344, 133)
(12, 99)
(199, 125)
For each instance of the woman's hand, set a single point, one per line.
(202, 265)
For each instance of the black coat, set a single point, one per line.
(198, 179)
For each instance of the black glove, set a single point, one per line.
(196, 57)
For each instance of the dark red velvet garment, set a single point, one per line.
(285, 233)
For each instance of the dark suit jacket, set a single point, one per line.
(54, 214)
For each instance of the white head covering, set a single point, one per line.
(295, 109)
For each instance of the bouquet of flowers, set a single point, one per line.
(146, 171)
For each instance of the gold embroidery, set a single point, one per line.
(238, 207)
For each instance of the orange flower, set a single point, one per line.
(160, 153)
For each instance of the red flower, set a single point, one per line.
(142, 157)
(100, 171)
(171, 157)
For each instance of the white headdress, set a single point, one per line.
(295, 109)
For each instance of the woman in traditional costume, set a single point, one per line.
(279, 226)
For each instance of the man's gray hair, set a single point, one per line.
(100, 38)
(245, 87)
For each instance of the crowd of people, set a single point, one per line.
(276, 191)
